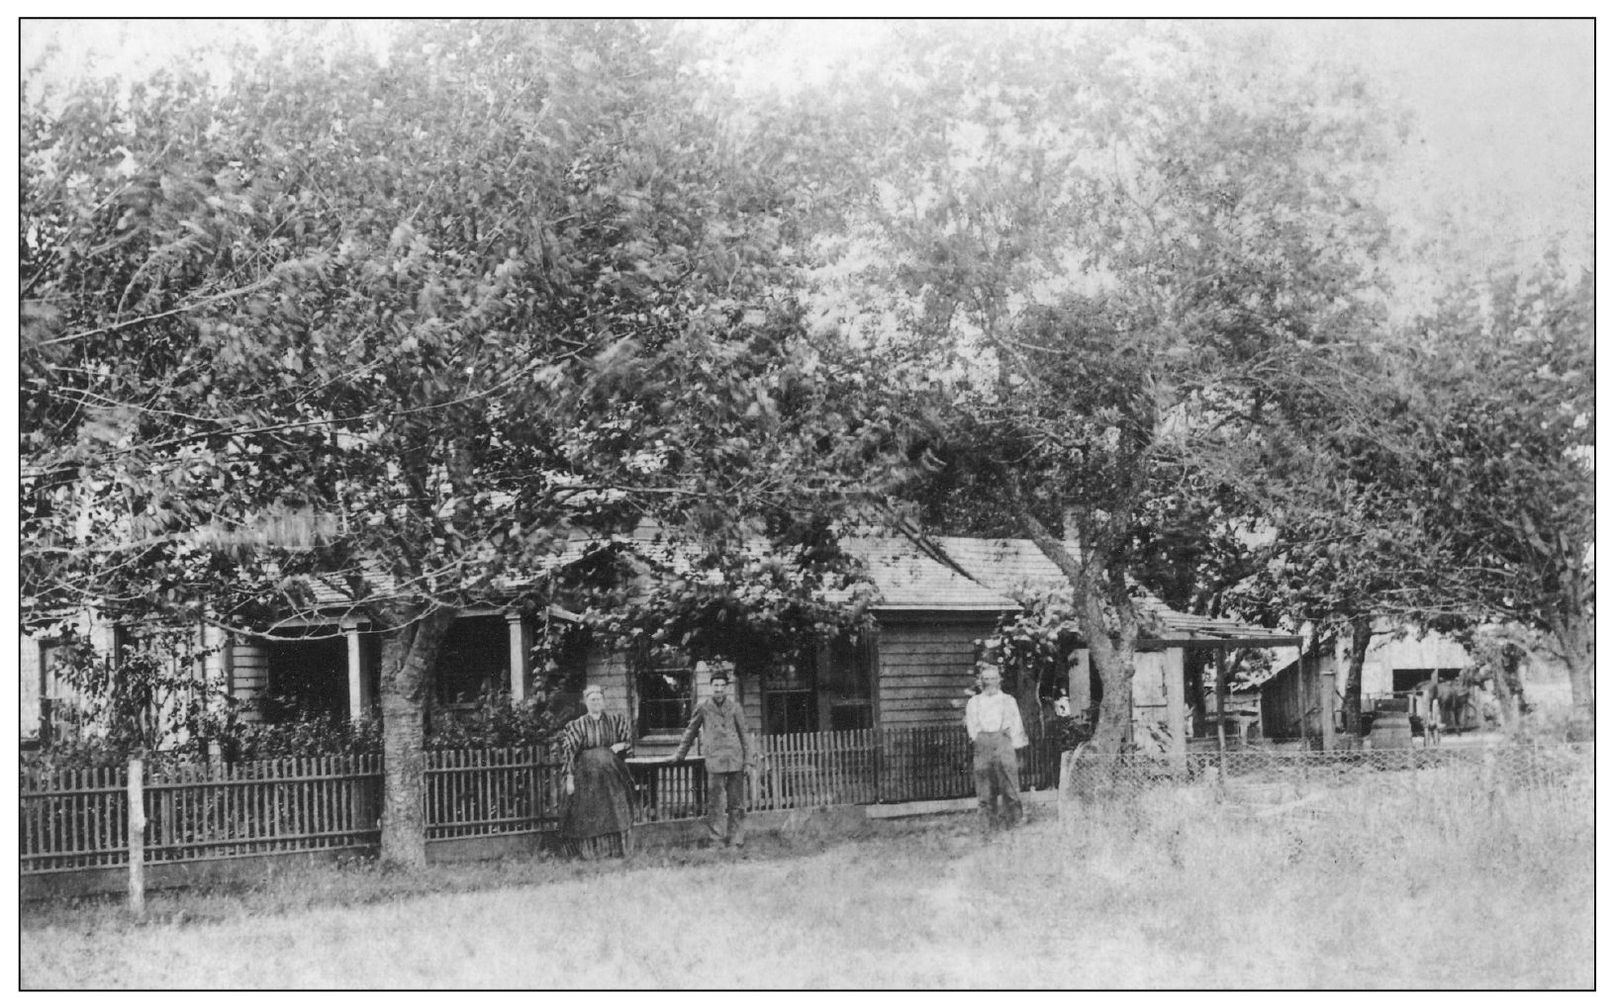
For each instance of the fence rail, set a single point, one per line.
(472, 792)
(78, 818)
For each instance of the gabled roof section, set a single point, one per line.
(1012, 564)
(907, 579)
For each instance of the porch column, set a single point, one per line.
(216, 660)
(215, 670)
(1173, 682)
(521, 631)
(359, 701)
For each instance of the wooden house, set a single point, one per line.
(933, 600)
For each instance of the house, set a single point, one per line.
(911, 670)
(933, 599)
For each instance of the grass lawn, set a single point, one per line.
(1173, 890)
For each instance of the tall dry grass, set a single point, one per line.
(1410, 881)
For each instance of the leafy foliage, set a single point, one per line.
(497, 721)
(143, 696)
(388, 327)
(1083, 256)
(441, 308)
(753, 605)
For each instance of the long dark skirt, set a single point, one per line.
(596, 816)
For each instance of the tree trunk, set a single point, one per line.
(1353, 682)
(1094, 766)
(1576, 646)
(1027, 699)
(1507, 686)
(409, 660)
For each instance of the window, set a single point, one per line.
(45, 707)
(826, 690)
(849, 665)
(790, 701)
(52, 685)
(665, 699)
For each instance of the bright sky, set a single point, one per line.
(1504, 110)
(1505, 115)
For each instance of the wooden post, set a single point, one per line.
(1173, 688)
(1327, 708)
(521, 644)
(359, 702)
(1218, 703)
(1302, 692)
(137, 836)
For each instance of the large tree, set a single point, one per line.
(396, 321)
(1096, 246)
(1507, 483)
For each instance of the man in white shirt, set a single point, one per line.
(994, 724)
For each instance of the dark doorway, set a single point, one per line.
(475, 660)
(1405, 680)
(308, 676)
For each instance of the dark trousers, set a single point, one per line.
(993, 769)
(726, 797)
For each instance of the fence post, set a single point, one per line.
(878, 744)
(137, 836)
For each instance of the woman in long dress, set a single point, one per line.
(596, 813)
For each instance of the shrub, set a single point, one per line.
(494, 720)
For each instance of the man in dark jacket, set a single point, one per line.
(727, 753)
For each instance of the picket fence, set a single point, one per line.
(78, 818)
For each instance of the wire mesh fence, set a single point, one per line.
(1499, 768)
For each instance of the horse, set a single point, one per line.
(1425, 716)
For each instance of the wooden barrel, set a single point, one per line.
(1391, 731)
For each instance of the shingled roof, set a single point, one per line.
(1012, 565)
(912, 572)
(905, 578)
